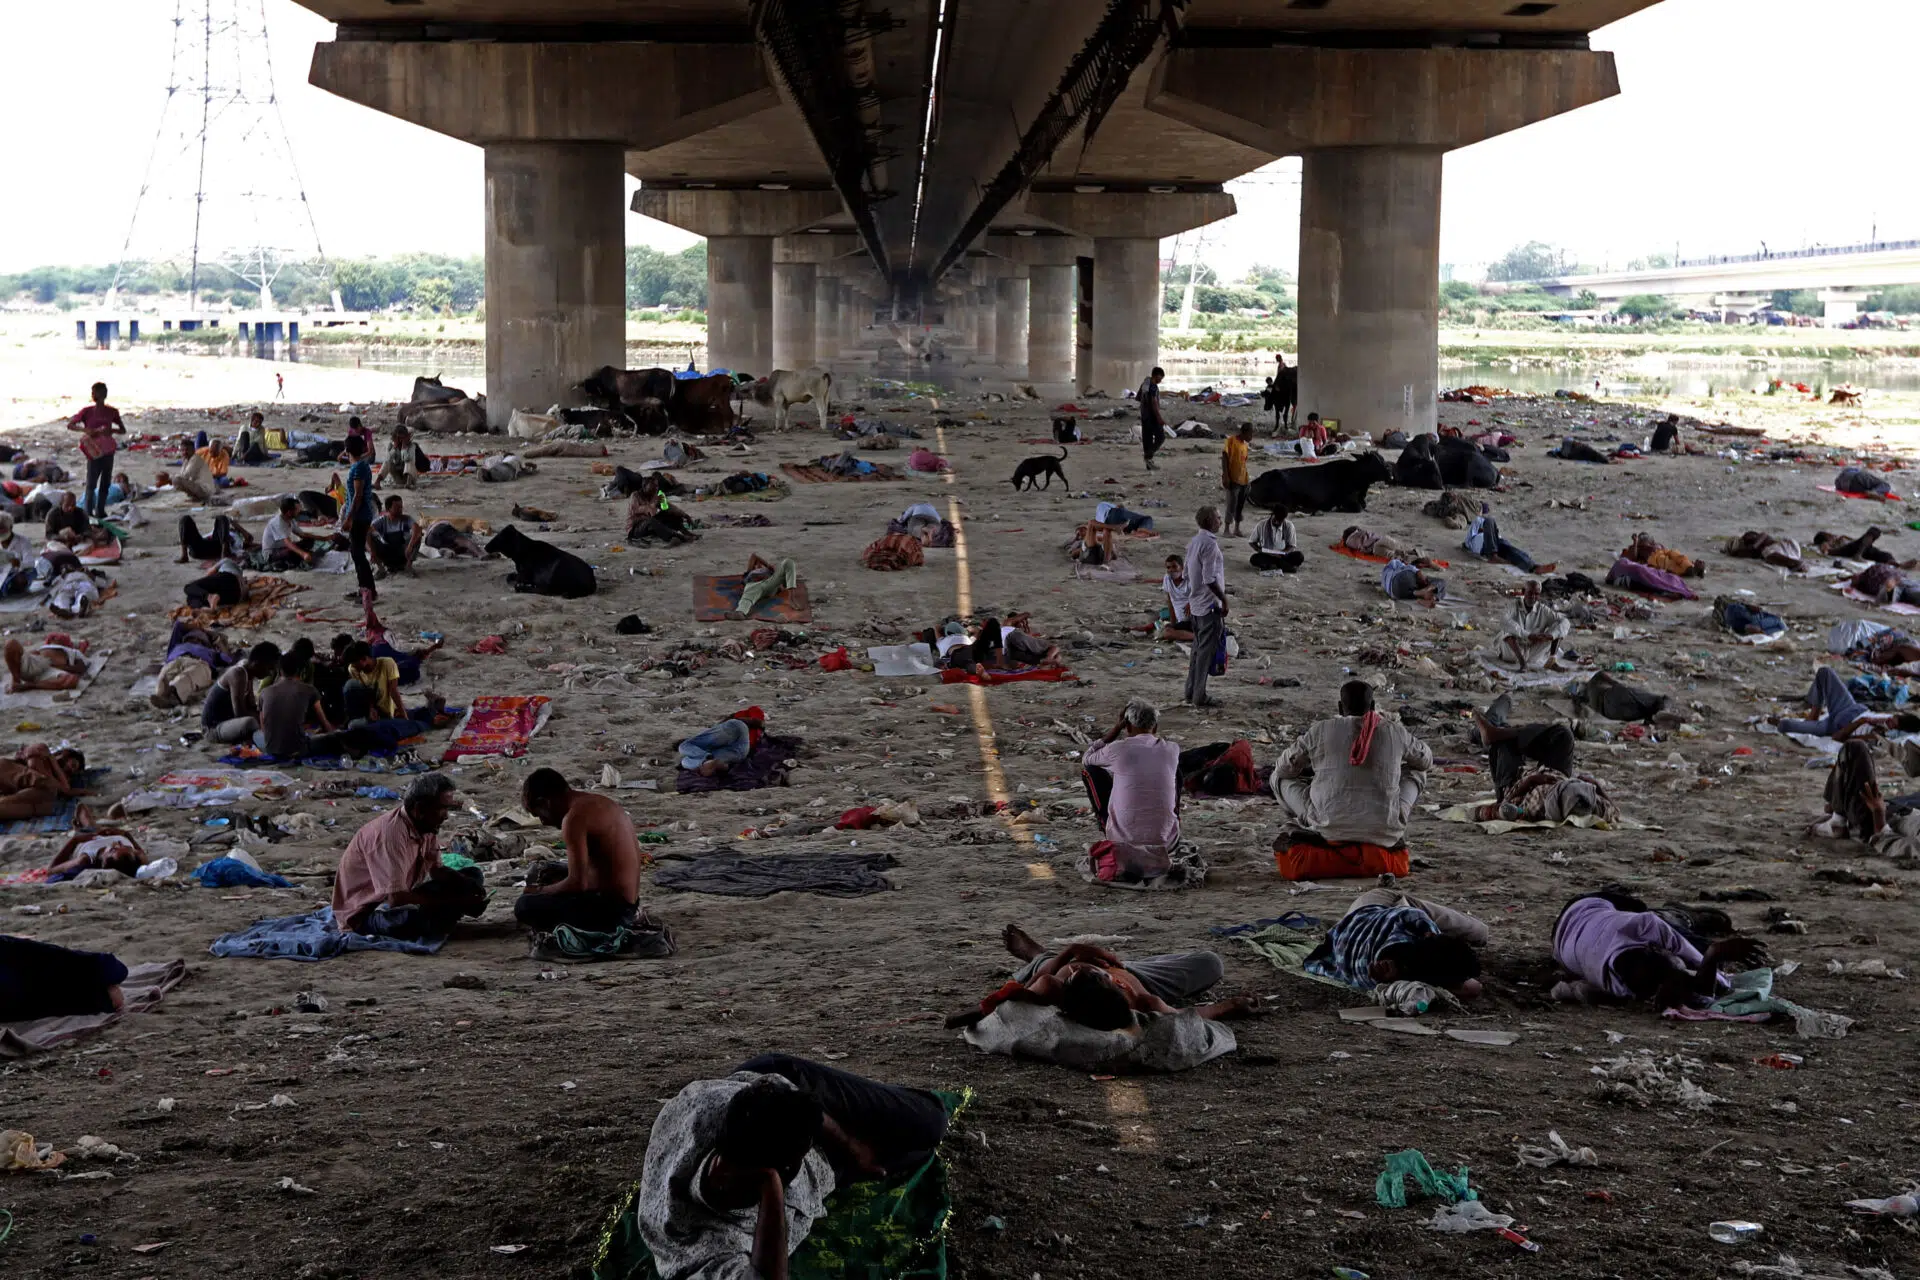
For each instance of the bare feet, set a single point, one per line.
(1020, 943)
(708, 768)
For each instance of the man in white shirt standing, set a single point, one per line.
(1207, 583)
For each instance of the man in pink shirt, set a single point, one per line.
(391, 881)
(1132, 777)
(97, 424)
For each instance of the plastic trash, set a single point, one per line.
(1390, 1187)
(1736, 1231)
(1467, 1215)
(1557, 1151)
(1902, 1206)
(159, 869)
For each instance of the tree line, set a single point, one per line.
(425, 283)
(1262, 288)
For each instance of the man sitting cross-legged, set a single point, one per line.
(391, 881)
(599, 887)
(738, 1170)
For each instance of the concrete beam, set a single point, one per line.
(1111, 215)
(737, 213)
(641, 94)
(1285, 101)
(1039, 251)
(817, 249)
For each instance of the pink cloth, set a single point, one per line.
(385, 857)
(1593, 933)
(926, 460)
(1146, 790)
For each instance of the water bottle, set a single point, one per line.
(1735, 1232)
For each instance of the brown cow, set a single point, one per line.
(702, 405)
(446, 417)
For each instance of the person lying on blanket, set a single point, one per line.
(1132, 780)
(1094, 987)
(1615, 950)
(1092, 544)
(1860, 548)
(40, 980)
(1532, 632)
(1860, 480)
(762, 579)
(1839, 715)
(1019, 647)
(1354, 778)
(1179, 623)
(1644, 550)
(598, 887)
(1756, 544)
(738, 1170)
(1368, 543)
(1387, 936)
(99, 849)
(391, 882)
(1885, 584)
(43, 666)
(1533, 773)
(35, 781)
(73, 594)
(986, 651)
(718, 749)
(1402, 581)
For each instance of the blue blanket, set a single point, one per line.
(231, 873)
(312, 936)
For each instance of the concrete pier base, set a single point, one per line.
(793, 315)
(1126, 313)
(1010, 325)
(1050, 323)
(740, 303)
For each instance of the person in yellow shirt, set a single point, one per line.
(1233, 477)
(217, 457)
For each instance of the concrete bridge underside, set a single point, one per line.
(1007, 166)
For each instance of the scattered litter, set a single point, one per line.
(1467, 1215)
(19, 1152)
(1906, 1205)
(1390, 1187)
(92, 1148)
(1736, 1231)
(1557, 1151)
(296, 1188)
(508, 1248)
(1643, 1080)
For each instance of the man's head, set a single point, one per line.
(394, 505)
(1356, 698)
(1531, 593)
(1090, 999)
(546, 795)
(1158, 375)
(291, 665)
(1141, 717)
(263, 659)
(358, 656)
(353, 423)
(768, 1125)
(289, 506)
(1437, 960)
(429, 801)
(256, 419)
(1313, 417)
(99, 393)
(356, 447)
(67, 501)
(302, 650)
(71, 761)
(1208, 518)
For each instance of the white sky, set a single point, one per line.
(1739, 121)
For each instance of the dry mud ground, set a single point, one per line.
(435, 1122)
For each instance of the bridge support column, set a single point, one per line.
(793, 315)
(1050, 323)
(1126, 313)
(1842, 306)
(556, 270)
(1010, 325)
(1370, 288)
(826, 318)
(740, 303)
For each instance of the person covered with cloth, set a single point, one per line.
(598, 887)
(1132, 779)
(718, 749)
(1351, 782)
(1096, 988)
(1387, 936)
(738, 1170)
(391, 882)
(1756, 544)
(1614, 950)
(1644, 550)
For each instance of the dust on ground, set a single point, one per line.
(434, 1122)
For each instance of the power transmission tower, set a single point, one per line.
(221, 202)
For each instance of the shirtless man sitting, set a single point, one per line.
(600, 890)
(44, 666)
(1096, 988)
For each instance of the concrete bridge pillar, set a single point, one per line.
(1010, 325)
(826, 318)
(982, 299)
(1050, 323)
(793, 315)
(740, 303)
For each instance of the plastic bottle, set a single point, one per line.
(1736, 1231)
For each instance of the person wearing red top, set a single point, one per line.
(97, 424)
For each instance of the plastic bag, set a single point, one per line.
(1468, 1215)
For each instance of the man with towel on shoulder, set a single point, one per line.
(1354, 778)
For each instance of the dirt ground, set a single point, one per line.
(435, 1122)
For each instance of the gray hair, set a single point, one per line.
(1206, 514)
(1143, 716)
(428, 787)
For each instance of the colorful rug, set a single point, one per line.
(499, 726)
(951, 675)
(814, 473)
(877, 1230)
(264, 594)
(716, 599)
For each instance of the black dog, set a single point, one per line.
(541, 567)
(1028, 473)
(1066, 431)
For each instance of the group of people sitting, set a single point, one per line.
(992, 645)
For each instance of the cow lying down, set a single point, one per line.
(1340, 485)
(542, 568)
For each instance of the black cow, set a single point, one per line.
(1281, 396)
(433, 391)
(1417, 467)
(541, 567)
(611, 388)
(1464, 466)
(1340, 485)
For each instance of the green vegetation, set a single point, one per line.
(1263, 288)
(1645, 306)
(1901, 300)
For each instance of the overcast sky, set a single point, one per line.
(1739, 121)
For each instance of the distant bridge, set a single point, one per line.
(1843, 275)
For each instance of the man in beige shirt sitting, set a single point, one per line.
(1355, 778)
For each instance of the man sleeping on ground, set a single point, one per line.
(40, 980)
(1615, 950)
(739, 1170)
(1387, 936)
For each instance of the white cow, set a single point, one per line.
(784, 388)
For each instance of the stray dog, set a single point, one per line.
(1066, 431)
(1029, 472)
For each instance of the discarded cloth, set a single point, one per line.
(745, 875)
(894, 551)
(309, 937)
(1643, 577)
(953, 675)
(1390, 1188)
(1308, 860)
(499, 726)
(645, 939)
(1751, 993)
(232, 873)
(1186, 868)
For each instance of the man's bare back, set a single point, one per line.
(600, 829)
